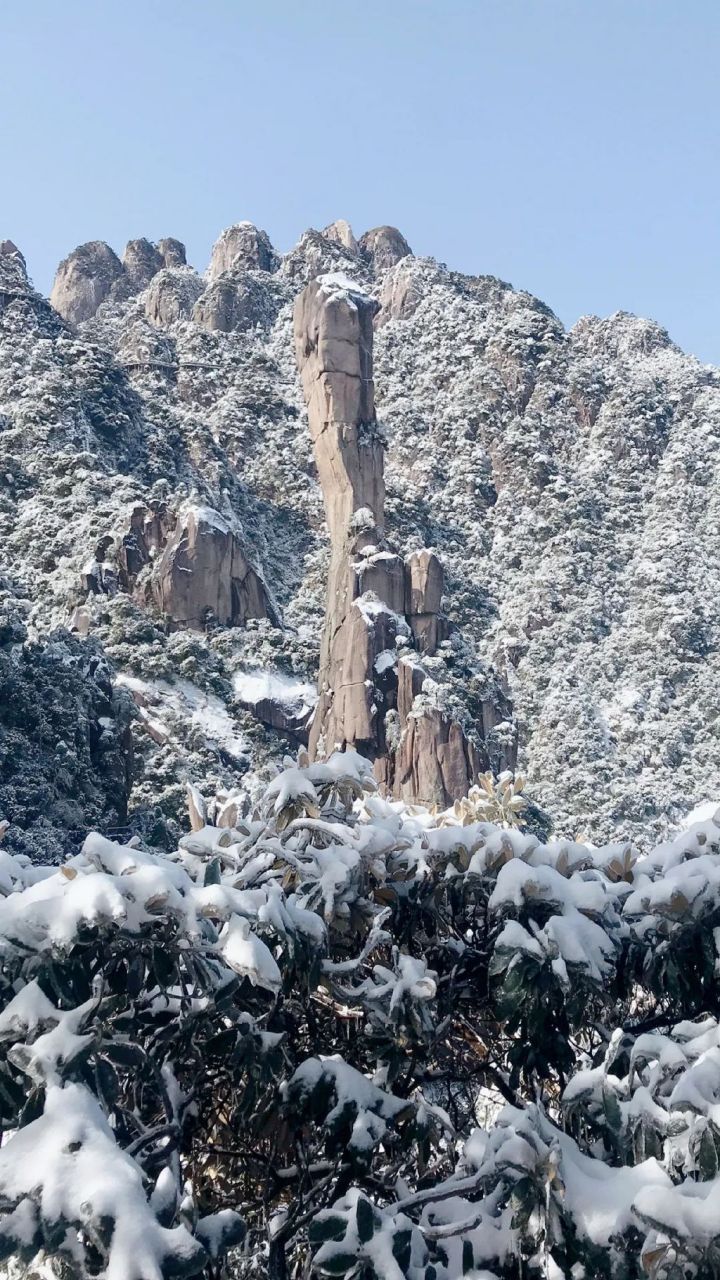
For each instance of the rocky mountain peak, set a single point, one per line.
(172, 252)
(486, 493)
(340, 232)
(141, 261)
(84, 280)
(93, 273)
(383, 247)
(242, 247)
(13, 269)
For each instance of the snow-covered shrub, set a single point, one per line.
(65, 747)
(269, 1050)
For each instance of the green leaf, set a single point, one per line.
(402, 1248)
(338, 1264)
(124, 1053)
(328, 1227)
(367, 1220)
(613, 1114)
(212, 872)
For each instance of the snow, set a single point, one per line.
(385, 660)
(320, 843)
(70, 1156)
(338, 284)
(292, 784)
(705, 812)
(173, 705)
(248, 955)
(256, 686)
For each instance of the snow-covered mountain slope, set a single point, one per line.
(568, 481)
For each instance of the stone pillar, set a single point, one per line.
(378, 607)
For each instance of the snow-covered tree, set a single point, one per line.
(342, 1036)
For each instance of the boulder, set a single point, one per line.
(383, 247)
(84, 280)
(242, 246)
(203, 575)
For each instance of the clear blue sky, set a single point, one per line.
(569, 146)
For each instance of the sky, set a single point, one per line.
(571, 147)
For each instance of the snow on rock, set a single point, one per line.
(539, 463)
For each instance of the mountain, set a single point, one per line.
(160, 508)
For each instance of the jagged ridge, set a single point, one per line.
(566, 480)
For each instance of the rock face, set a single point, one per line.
(423, 600)
(13, 272)
(376, 603)
(231, 303)
(141, 260)
(340, 232)
(384, 247)
(193, 566)
(172, 252)
(242, 246)
(84, 280)
(401, 292)
(93, 273)
(172, 295)
(203, 575)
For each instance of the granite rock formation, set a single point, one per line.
(172, 295)
(172, 252)
(84, 280)
(567, 481)
(340, 232)
(192, 565)
(231, 303)
(92, 274)
(242, 246)
(370, 693)
(383, 247)
(141, 261)
(203, 575)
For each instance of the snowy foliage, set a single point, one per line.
(566, 479)
(287, 1045)
(65, 746)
